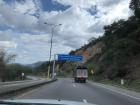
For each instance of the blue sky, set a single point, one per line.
(23, 32)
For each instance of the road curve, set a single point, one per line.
(66, 89)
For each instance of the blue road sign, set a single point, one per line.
(66, 57)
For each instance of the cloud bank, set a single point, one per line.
(23, 31)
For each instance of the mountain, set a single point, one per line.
(115, 55)
(36, 64)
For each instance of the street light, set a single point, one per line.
(53, 26)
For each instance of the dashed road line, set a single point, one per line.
(74, 85)
(84, 100)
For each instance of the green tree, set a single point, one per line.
(2, 65)
(4, 60)
(135, 7)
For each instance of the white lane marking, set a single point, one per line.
(27, 93)
(125, 94)
(74, 85)
(84, 100)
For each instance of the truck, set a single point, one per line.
(80, 74)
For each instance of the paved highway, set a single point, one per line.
(66, 89)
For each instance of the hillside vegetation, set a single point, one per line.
(113, 56)
(10, 71)
(116, 54)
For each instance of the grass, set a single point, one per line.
(133, 85)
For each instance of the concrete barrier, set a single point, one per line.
(11, 88)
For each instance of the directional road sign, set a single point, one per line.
(67, 57)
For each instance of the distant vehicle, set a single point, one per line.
(80, 74)
(41, 102)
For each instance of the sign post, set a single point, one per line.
(122, 81)
(92, 71)
(22, 74)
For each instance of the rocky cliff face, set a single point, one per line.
(91, 51)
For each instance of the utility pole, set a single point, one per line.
(53, 26)
(54, 65)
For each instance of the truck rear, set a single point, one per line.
(81, 74)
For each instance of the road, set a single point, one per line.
(66, 89)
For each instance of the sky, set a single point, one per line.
(23, 32)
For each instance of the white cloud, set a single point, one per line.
(6, 39)
(5, 35)
(7, 44)
(28, 38)
(16, 19)
(78, 24)
(108, 14)
(25, 7)
(78, 3)
(108, 3)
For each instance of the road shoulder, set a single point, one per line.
(125, 92)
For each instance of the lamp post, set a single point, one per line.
(53, 26)
(53, 71)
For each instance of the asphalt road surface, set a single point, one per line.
(66, 89)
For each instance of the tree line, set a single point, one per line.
(122, 44)
(10, 71)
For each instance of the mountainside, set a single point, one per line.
(114, 55)
(36, 64)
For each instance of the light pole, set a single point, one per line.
(53, 26)
(54, 65)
